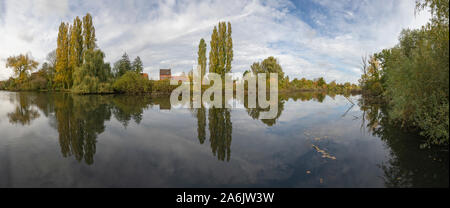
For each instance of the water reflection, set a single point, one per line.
(407, 166)
(220, 129)
(255, 112)
(80, 120)
(23, 113)
(125, 108)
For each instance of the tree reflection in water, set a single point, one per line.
(23, 113)
(408, 165)
(220, 130)
(80, 119)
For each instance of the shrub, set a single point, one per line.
(133, 83)
(163, 86)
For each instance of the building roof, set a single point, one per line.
(164, 72)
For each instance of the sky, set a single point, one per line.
(310, 38)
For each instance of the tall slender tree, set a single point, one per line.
(88, 33)
(213, 53)
(221, 54)
(76, 44)
(229, 49)
(202, 57)
(62, 56)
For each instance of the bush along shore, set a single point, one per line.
(412, 78)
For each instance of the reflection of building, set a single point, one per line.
(164, 74)
(165, 106)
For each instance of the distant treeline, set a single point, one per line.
(271, 65)
(413, 77)
(77, 65)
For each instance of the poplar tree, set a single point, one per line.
(75, 48)
(222, 48)
(221, 54)
(213, 53)
(76, 44)
(229, 49)
(62, 57)
(202, 57)
(88, 33)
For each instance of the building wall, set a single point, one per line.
(164, 77)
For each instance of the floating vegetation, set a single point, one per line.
(324, 154)
(314, 137)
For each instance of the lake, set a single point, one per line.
(316, 140)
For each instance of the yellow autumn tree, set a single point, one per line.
(22, 65)
(88, 33)
(76, 44)
(62, 57)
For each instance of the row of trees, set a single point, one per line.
(74, 44)
(220, 54)
(76, 65)
(80, 64)
(271, 65)
(413, 76)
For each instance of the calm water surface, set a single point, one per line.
(317, 140)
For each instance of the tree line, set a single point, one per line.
(221, 56)
(413, 76)
(76, 65)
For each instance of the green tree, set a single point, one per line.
(321, 82)
(221, 54)
(122, 66)
(413, 76)
(94, 75)
(213, 53)
(202, 57)
(76, 44)
(269, 65)
(228, 49)
(88, 33)
(62, 57)
(137, 65)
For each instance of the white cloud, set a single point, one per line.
(165, 34)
